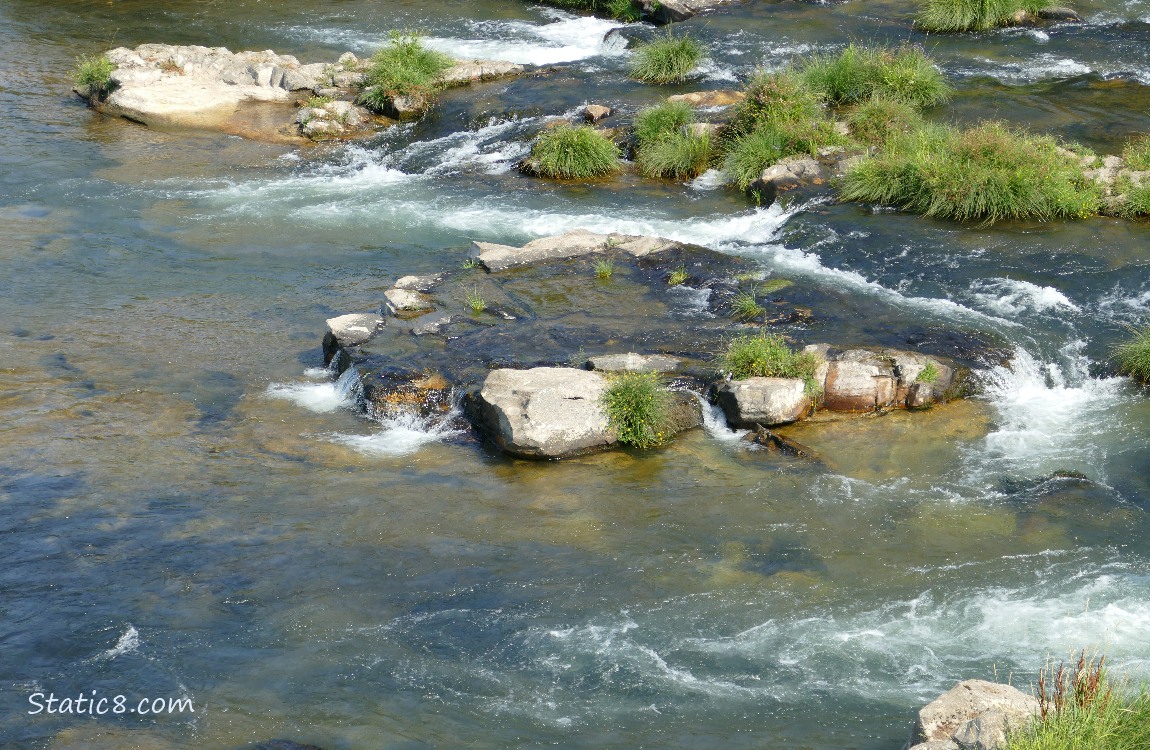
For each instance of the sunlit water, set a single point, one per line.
(192, 507)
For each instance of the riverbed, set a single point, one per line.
(188, 507)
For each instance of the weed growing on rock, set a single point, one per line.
(475, 301)
(666, 59)
(929, 373)
(903, 74)
(572, 153)
(95, 72)
(678, 276)
(987, 173)
(974, 15)
(746, 306)
(1133, 356)
(317, 102)
(604, 269)
(677, 156)
(403, 68)
(774, 99)
(878, 119)
(1137, 153)
(469, 263)
(638, 409)
(1084, 707)
(662, 120)
(1135, 199)
(749, 155)
(763, 355)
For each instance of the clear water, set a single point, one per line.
(189, 508)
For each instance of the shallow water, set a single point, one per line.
(189, 508)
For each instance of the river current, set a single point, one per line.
(188, 507)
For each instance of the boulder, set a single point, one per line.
(859, 380)
(472, 71)
(404, 302)
(594, 113)
(716, 98)
(350, 330)
(988, 730)
(675, 11)
(632, 362)
(942, 718)
(763, 401)
(578, 242)
(788, 174)
(775, 442)
(936, 745)
(542, 413)
(419, 283)
(431, 323)
(1059, 14)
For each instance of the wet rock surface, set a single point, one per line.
(973, 715)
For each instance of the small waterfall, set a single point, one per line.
(323, 397)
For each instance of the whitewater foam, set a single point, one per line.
(401, 434)
(322, 398)
(1011, 297)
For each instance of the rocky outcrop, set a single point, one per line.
(544, 412)
(803, 173)
(716, 98)
(212, 88)
(632, 362)
(675, 11)
(573, 244)
(973, 715)
(763, 401)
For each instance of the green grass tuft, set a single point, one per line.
(763, 355)
(573, 153)
(746, 306)
(653, 123)
(318, 101)
(1137, 153)
(774, 98)
(666, 59)
(475, 301)
(1084, 708)
(973, 15)
(929, 373)
(678, 276)
(904, 74)
(604, 269)
(638, 409)
(1133, 356)
(678, 156)
(1135, 200)
(94, 71)
(987, 173)
(878, 119)
(749, 155)
(403, 68)
(622, 10)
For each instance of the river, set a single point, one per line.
(188, 510)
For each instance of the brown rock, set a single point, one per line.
(594, 113)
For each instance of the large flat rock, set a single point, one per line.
(573, 244)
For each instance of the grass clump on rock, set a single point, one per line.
(879, 119)
(572, 153)
(1137, 153)
(986, 173)
(1084, 707)
(638, 409)
(94, 72)
(666, 146)
(764, 355)
(974, 15)
(1133, 356)
(903, 74)
(666, 59)
(403, 68)
(653, 123)
(622, 10)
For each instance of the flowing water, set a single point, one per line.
(188, 507)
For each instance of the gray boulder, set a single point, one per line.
(632, 362)
(573, 244)
(675, 11)
(941, 719)
(859, 380)
(542, 413)
(988, 731)
(405, 303)
(350, 330)
(763, 401)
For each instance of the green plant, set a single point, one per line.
(95, 72)
(604, 269)
(879, 118)
(774, 98)
(570, 153)
(929, 373)
(764, 355)
(678, 156)
(973, 15)
(403, 68)
(745, 306)
(1136, 154)
(857, 73)
(623, 10)
(1084, 708)
(1133, 356)
(1135, 199)
(678, 276)
(986, 173)
(475, 301)
(749, 155)
(666, 59)
(469, 263)
(668, 118)
(317, 102)
(638, 409)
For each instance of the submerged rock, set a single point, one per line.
(716, 98)
(632, 362)
(974, 714)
